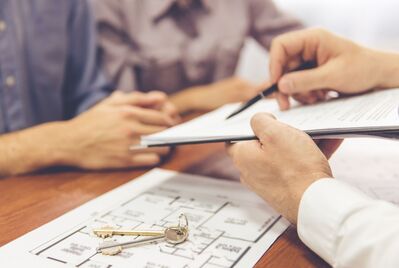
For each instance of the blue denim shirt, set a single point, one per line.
(48, 62)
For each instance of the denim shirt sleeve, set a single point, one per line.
(85, 83)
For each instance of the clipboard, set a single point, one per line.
(374, 114)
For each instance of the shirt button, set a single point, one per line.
(10, 81)
(3, 26)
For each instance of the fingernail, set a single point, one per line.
(286, 85)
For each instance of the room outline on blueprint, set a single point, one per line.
(229, 226)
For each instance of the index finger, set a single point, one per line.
(149, 116)
(291, 47)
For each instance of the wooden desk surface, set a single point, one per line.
(27, 202)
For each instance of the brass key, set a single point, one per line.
(111, 248)
(173, 235)
(110, 231)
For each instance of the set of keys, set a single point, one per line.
(172, 235)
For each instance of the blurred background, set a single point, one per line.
(373, 23)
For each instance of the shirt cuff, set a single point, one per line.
(323, 208)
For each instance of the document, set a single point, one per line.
(375, 113)
(229, 226)
(370, 165)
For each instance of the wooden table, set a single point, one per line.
(27, 202)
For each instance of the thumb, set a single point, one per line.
(265, 127)
(305, 81)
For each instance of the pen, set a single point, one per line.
(273, 88)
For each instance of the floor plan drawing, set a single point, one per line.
(228, 225)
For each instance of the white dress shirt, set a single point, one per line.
(347, 228)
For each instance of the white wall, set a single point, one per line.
(374, 22)
(371, 22)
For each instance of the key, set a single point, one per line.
(113, 247)
(172, 235)
(110, 231)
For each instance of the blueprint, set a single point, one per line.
(228, 226)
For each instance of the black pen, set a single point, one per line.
(268, 91)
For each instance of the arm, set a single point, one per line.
(188, 100)
(342, 225)
(267, 21)
(212, 96)
(347, 228)
(31, 149)
(97, 139)
(115, 43)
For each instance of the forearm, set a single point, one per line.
(347, 228)
(187, 100)
(31, 149)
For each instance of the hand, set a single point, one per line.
(281, 165)
(101, 137)
(210, 97)
(343, 66)
(159, 101)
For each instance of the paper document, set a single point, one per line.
(229, 226)
(370, 114)
(370, 165)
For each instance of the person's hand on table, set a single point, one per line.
(343, 66)
(101, 137)
(159, 101)
(213, 96)
(281, 165)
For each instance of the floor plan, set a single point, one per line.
(228, 225)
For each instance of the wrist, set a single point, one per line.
(296, 190)
(201, 97)
(55, 147)
(189, 99)
(387, 68)
(66, 142)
